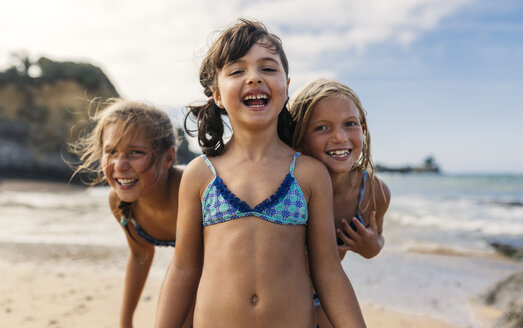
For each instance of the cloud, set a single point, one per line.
(152, 51)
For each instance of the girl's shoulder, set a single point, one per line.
(310, 171)
(307, 164)
(198, 171)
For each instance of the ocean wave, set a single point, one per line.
(462, 214)
(509, 203)
(54, 200)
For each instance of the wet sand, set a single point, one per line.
(63, 296)
(81, 286)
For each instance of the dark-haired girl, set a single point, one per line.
(249, 207)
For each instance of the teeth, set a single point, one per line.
(254, 97)
(126, 182)
(339, 153)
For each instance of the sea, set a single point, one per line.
(457, 212)
(439, 231)
(461, 212)
(439, 259)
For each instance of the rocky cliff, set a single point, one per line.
(39, 104)
(43, 105)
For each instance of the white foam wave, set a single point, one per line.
(458, 214)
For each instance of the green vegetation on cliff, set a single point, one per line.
(45, 70)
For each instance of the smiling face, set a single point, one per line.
(128, 163)
(254, 88)
(334, 134)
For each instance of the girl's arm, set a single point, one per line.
(330, 281)
(367, 241)
(138, 264)
(181, 281)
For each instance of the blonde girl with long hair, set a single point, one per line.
(331, 126)
(132, 148)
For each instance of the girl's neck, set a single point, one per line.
(254, 144)
(160, 194)
(341, 181)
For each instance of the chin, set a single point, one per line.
(126, 197)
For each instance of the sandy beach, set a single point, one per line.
(62, 282)
(57, 286)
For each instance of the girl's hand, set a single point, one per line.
(364, 241)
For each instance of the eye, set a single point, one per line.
(136, 152)
(320, 128)
(269, 69)
(109, 151)
(235, 72)
(351, 124)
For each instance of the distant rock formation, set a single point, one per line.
(40, 103)
(510, 247)
(507, 296)
(183, 154)
(429, 165)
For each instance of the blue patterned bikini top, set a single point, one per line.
(286, 206)
(358, 212)
(124, 221)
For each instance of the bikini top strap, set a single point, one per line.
(362, 191)
(209, 164)
(291, 169)
(124, 221)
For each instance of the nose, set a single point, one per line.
(121, 163)
(254, 78)
(339, 135)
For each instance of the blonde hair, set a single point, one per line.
(130, 117)
(304, 101)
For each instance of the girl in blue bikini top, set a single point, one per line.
(331, 126)
(132, 148)
(244, 220)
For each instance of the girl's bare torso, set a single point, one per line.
(254, 276)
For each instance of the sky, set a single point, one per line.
(441, 78)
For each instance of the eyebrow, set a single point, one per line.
(328, 121)
(128, 146)
(108, 147)
(269, 59)
(239, 60)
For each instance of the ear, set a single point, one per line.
(170, 158)
(287, 88)
(217, 98)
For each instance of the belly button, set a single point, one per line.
(254, 300)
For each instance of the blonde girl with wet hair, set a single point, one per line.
(132, 148)
(331, 126)
(249, 206)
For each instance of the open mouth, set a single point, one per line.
(339, 153)
(126, 182)
(256, 101)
